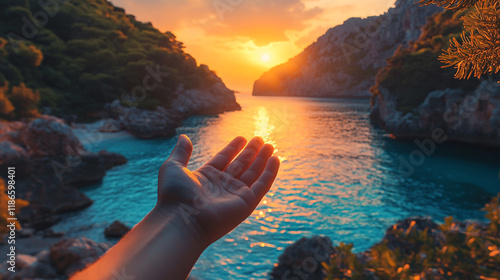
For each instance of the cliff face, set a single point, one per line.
(414, 97)
(344, 61)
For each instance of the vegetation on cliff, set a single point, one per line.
(415, 71)
(72, 57)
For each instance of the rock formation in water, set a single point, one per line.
(116, 229)
(343, 62)
(50, 164)
(162, 122)
(303, 259)
(449, 114)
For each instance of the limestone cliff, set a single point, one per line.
(343, 62)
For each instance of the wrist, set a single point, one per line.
(180, 219)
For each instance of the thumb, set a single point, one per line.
(182, 151)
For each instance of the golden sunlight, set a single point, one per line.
(265, 57)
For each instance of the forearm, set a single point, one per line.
(162, 246)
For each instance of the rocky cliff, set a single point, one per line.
(414, 97)
(453, 114)
(343, 62)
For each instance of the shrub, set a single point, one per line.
(6, 107)
(420, 249)
(25, 101)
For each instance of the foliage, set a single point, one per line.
(88, 53)
(421, 249)
(18, 102)
(413, 72)
(478, 51)
(4, 208)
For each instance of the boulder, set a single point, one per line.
(302, 260)
(50, 136)
(72, 255)
(23, 260)
(12, 154)
(116, 229)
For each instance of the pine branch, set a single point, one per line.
(479, 52)
(454, 5)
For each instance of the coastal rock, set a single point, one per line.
(472, 117)
(49, 136)
(150, 124)
(23, 261)
(50, 163)
(344, 61)
(116, 229)
(302, 260)
(61, 261)
(72, 255)
(214, 99)
(140, 123)
(12, 153)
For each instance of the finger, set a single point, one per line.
(224, 157)
(266, 179)
(241, 163)
(182, 151)
(258, 165)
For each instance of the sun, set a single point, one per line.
(265, 57)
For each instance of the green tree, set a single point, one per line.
(478, 52)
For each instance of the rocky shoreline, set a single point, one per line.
(162, 122)
(413, 248)
(51, 164)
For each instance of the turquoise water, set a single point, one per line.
(339, 177)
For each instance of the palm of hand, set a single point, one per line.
(221, 194)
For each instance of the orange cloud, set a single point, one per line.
(262, 21)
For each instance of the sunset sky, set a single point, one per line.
(240, 39)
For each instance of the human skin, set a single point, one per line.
(194, 209)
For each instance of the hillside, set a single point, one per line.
(344, 61)
(71, 59)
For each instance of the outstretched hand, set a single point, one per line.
(222, 193)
